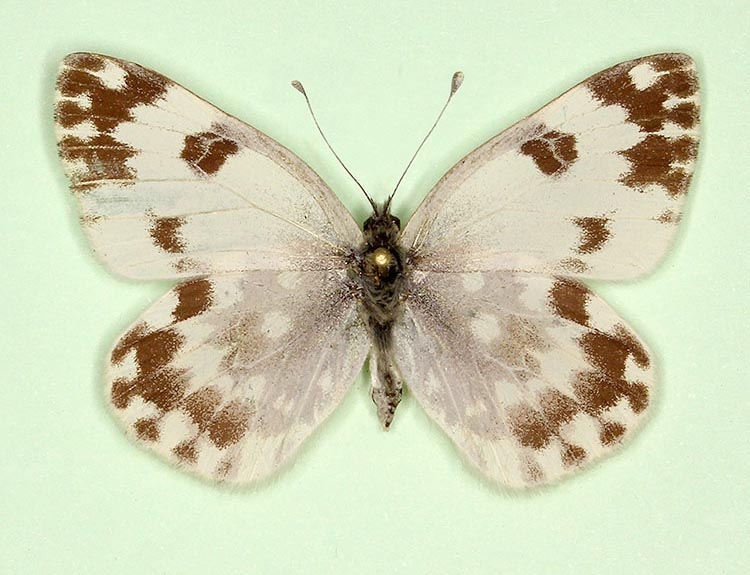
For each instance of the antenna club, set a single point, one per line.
(458, 79)
(297, 85)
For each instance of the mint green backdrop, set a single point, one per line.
(78, 498)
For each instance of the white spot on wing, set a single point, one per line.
(255, 385)
(112, 76)
(472, 282)
(643, 75)
(84, 130)
(485, 327)
(137, 409)
(276, 324)
(288, 280)
(175, 428)
(326, 382)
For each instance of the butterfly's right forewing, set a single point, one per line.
(170, 186)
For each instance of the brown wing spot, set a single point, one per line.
(230, 424)
(594, 234)
(685, 115)
(128, 342)
(595, 392)
(532, 471)
(603, 387)
(104, 157)
(572, 455)
(107, 107)
(553, 152)
(529, 427)
(535, 429)
(568, 299)
(86, 61)
(646, 106)
(223, 469)
(557, 408)
(574, 265)
(187, 451)
(652, 162)
(154, 381)
(147, 429)
(638, 397)
(206, 152)
(193, 298)
(608, 352)
(201, 406)
(520, 343)
(166, 234)
(611, 433)
(634, 347)
(668, 217)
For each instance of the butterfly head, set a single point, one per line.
(382, 228)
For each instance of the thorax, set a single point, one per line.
(379, 269)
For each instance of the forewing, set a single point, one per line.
(531, 377)
(170, 186)
(591, 185)
(225, 377)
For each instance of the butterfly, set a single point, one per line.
(476, 305)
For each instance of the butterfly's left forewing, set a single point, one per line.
(592, 185)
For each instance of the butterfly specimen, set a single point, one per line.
(475, 305)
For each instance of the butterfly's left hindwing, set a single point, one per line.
(531, 377)
(226, 376)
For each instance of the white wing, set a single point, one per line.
(530, 373)
(225, 377)
(591, 185)
(531, 377)
(170, 186)
(229, 372)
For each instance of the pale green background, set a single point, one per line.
(78, 498)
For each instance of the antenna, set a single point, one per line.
(456, 81)
(298, 86)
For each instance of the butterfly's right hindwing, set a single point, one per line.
(225, 377)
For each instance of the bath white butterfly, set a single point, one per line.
(476, 305)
